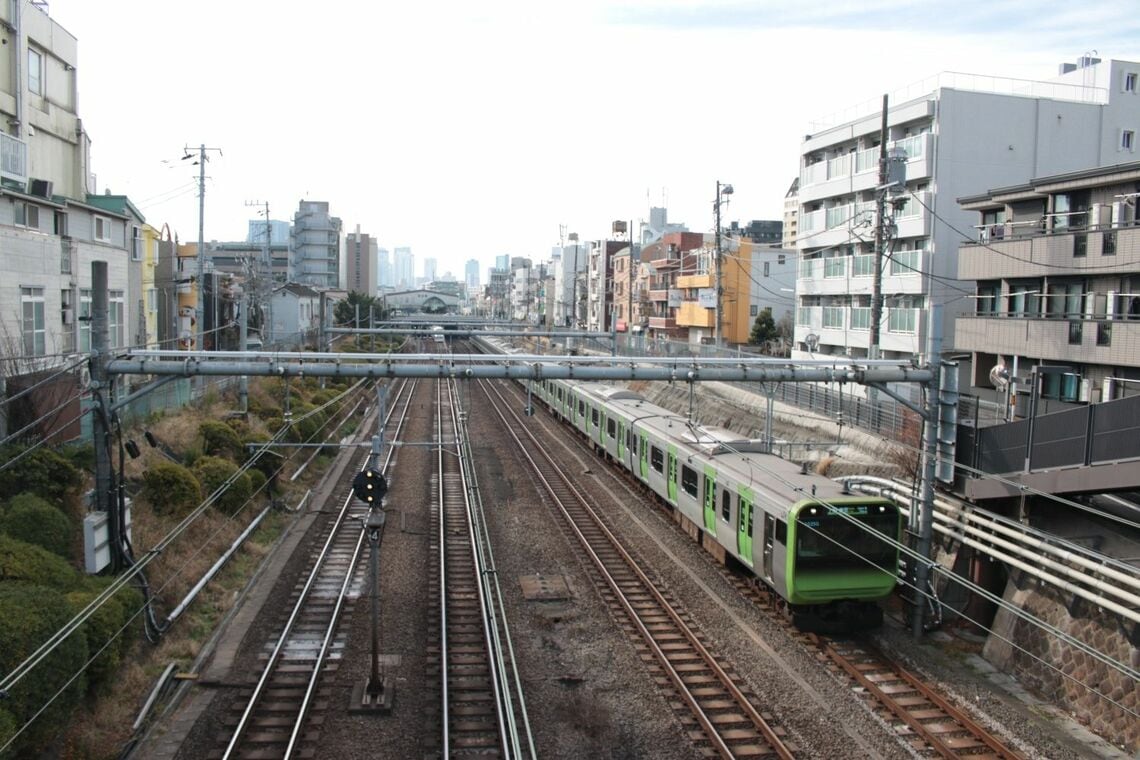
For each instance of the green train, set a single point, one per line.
(830, 556)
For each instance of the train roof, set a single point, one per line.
(611, 393)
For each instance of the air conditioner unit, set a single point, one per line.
(1122, 213)
(1100, 216)
(68, 315)
(40, 188)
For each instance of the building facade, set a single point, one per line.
(471, 275)
(405, 269)
(360, 262)
(953, 139)
(316, 245)
(1055, 274)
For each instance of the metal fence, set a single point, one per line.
(1091, 434)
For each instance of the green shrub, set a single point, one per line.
(108, 629)
(21, 561)
(212, 472)
(309, 429)
(257, 479)
(29, 615)
(220, 440)
(42, 472)
(323, 397)
(171, 488)
(81, 455)
(34, 520)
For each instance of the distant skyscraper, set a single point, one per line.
(405, 272)
(386, 277)
(278, 232)
(503, 262)
(429, 269)
(471, 272)
(360, 262)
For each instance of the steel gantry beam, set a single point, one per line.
(535, 367)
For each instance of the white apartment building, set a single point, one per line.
(316, 245)
(961, 133)
(51, 227)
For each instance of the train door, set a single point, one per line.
(644, 449)
(621, 439)
(744, 527)
(671, 475)
(769, 538)
(602, 428)
(710, 500)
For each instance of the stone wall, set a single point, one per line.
(1098, 696)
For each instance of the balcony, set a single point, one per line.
(857, 171)
(668, 262)
(659, 294)
(692, 314)
(13, 158)
(662, 323)
(1088, 341)
(695, 281)
(1025, 251)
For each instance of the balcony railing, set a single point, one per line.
(13, 158)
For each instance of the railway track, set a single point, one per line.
(280, 715)
(930, 724)
(482, 710)
(719, 712)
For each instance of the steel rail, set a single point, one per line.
(778, 747)
(442, 558)
(282, 640)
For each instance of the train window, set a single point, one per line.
(611, 429)
(689, 480)
(581, 407)
(827, 539)
(558, 394)
(726, 505)
(594, 417)
(657, 458)
(781, 532)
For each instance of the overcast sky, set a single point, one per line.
(471, 129)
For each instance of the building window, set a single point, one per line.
(753, 310)
(27, 215)
(780, 260)
(152, 299)
(1104, 334)
(32, 321)
(1130, 81)
(766, 265)
(1127, 139)
(35, 72)
(85, 320)
(1076, 332)
(1108, 243)
(102, 229)
(987, 299)
(136, 244)
(115, 313)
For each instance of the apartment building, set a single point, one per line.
(677, 261)
(316, 241)
(51, 227)
(360, 251)
(600, 284)
(1055, 272)
(957, 133)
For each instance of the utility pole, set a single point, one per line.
(721, 190)
(922, 524)
(629, 315)
(880, 239)
(101, 420)
(202, 158)
(243, 326)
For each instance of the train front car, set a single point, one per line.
(842, 559)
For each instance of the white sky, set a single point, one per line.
(471, 129)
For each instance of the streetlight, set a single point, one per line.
(721, 190)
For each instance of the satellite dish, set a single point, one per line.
(999, 377)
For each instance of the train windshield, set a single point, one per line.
(847, 536)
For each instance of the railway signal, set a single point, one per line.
(369, 486)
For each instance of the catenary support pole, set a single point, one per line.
(925, 523)
(243, 382)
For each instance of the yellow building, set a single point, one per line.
(150, 237)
